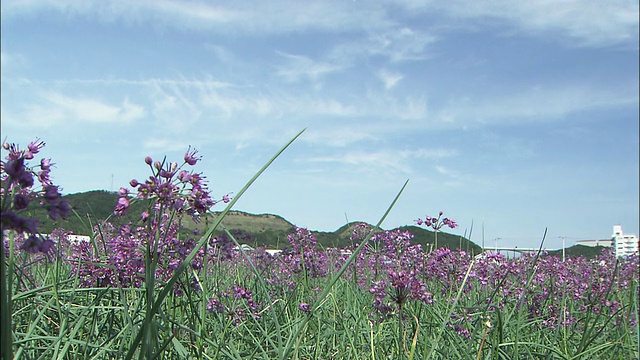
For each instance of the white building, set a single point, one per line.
(625, 244)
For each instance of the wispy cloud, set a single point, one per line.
(233, 17)
(534, 104)
(57, 109)
(388, 78)
(368, 161)
(584, 23)
(392, 43)
(385, 159)
(164, 144)
(339, 136)
(428, 154)
(452, 174)
(300, 67)
(400, 44)
(587, 23)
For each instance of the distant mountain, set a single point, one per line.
(267, 230)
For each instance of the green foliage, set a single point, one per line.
(55, 318)
(425, 237)
(589, 252)
(267, 230)
(90, 208)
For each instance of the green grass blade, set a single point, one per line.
(328, 287)
(178, 272)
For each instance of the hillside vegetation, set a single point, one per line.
(267, 230)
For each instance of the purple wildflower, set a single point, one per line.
(122, 206)
(18, 173)
(14, 222)
(304, 307)
(34, 244)
(20, 201)
(33, 148)
(190, 156)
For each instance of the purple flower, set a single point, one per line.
(166, 174)
(34, 148)
(450, 223)
(60, 209)
(45, 164)
(20, 201)
(12, 221)
(304, 307)
(34, 244)
(31, 244)
(436, 223)
(18, 172)
(122, 206)
(51, 194)
(190, 156)
(184, 176)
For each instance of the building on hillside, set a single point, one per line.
(76, 239)
(594, 243)
(624, 244)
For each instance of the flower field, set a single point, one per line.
(151, 290)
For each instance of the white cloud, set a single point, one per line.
(57, 109)
(370, 161)
(338, 136)
(164, 144)
(234, 17)
(301, 67)
(390, 79)
(394, 44)
(385, 159)
(534, 104)
(403, 44)
(433, 154)
(588, 23)
(591, 22)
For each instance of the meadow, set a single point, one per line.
(147, 289)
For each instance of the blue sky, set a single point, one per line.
(511, 116)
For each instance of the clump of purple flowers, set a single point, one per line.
(136, 255)
(236, 303)
(17, 191)
(301, 261)
(390, 268)
(437, 223)
(172, 188)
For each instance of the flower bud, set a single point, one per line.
(148, 160)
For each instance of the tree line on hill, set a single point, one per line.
(268, 230)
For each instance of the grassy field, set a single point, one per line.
(155, 289)
(299, 306)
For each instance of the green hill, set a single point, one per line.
(589, 252)
(267, 230)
